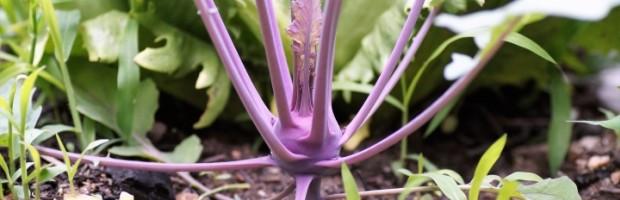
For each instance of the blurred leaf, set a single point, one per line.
(412, 181)
(94, 145)
(181, 53)
(48, 173)
(447, 185)
(523, 176)
(358, 137)
(49, 14)
(68, 25)
(188, 151)
(25, 94)
(102, 36)
(440, 116)
(508, 190)
(484, 166)
(551, 189)
(613, 123)
(218, 98)
(128, 80)
(350, 187)
(130, 151)
(601, 37)
(147, 102)
(527, 43)
(376, 46)
(454, 6)
(559, 135)
(364, 88)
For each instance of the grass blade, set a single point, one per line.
(350, 187)
(484, 166)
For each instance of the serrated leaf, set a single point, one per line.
(102, 36)
(188, 151)
(551, 189)
(350, 187)
(485, 164)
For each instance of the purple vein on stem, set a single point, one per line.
(388, 69)
(276, 59)
(455, 90)
(240, 79)
(325, 72)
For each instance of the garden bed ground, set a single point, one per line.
(593, 161)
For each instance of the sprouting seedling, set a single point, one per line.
(305, 139)
(72, 169)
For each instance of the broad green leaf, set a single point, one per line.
(350, 187)
(128, 80)
(559, 135)
(49, 131)
(102, 36)
(375, 47)
(439, 117)
(188, 151)
(526, 43)
(551, 189)
(218, 94)
(447, 185)
(182, 53)
(48, 173)
(145, 107)
(523, 176)
(508, 190)
(484, 166)
(68, 24)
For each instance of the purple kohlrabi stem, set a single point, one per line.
(164, 167)
(308, 187)
(402, 66)
(455, 90)
(276, 59)
(388, 70)
(322, 116)
(241, 80)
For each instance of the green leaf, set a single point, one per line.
(68, 25)
(364, 88)
(182, 53)
(94, 145)
(526, 43)
(523, 176)
(130, 151)
(508, 190)
(551, 189)
(350, 187)
(102, 36)
(145, 107)
(613, 123)
(412, 182)
(559, 135)
(218, 98)
(440, 116)
(447, 185)
(485, 164)
(49, 14)
(24, 98)
(188, 151)
(453, 6)
(128, 79)
(48, 173)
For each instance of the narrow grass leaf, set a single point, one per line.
(350, 187)
(447, 185)
(440, 117)
(26, 91)
(485, 164)
(559, 135)
(526, 43)
(523, 176)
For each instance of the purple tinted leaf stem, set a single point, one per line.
(307, 188)
(252, 163)
(388, 70)
(402, 66)
(455, 90)
(240, 79)
(276, 59)
(325, 71)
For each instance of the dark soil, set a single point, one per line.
(593, 161)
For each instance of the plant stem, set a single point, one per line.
(66, 79)
(24, 170)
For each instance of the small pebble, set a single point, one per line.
(596, 162)
(261, 193)
(615, 177)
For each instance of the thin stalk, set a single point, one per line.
(33, 21)
(278, 67)
(396, 191)
(388, 69)
(454, 91)
(66, 80)
(325, 72)
(24, 170)
(252, 163)
(10, 134)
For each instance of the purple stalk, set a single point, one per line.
(308, 188)
(402, 66)
(388, 69)
(276, 59)
(323, 115)
(240, 79)
(252, 163)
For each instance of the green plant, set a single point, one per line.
(72, 169)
